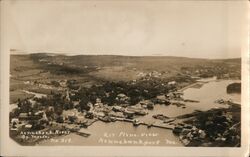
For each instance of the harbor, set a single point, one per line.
(149, 124)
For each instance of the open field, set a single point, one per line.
(18, 94)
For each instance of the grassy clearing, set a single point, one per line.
(18, 94)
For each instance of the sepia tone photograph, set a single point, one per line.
(60, 99)
(145, 74)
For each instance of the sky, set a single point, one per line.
(200, 29)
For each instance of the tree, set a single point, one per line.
(58, 109)
(25, 106)
(59, 119)
(72, 119)
(84, 104)
(55, 83)
(49, 113)
(36, 125)
(68, 105)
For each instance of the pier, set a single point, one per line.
(155, 124)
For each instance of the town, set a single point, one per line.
(72, 106)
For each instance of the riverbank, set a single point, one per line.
(213, 128)
(193, 99)
(147, 121)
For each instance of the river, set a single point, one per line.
(120, 131)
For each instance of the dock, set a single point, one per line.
(163, 126)
(155, 124)
(190, 86)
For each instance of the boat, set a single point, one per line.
(149, 125)
(106, 119)
(136, 122)
(83, 133)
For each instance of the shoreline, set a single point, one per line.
(141, 123)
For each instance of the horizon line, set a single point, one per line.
(68, 53)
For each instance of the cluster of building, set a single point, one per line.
(22, 121)
(190, 135)
(216, 127)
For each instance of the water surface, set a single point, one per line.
(207, 95)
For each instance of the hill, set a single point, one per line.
(116, 67)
